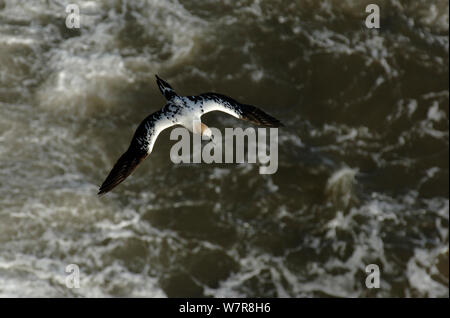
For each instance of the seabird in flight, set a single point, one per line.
(179, 110)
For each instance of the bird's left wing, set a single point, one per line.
(218, 102)
(141, 146)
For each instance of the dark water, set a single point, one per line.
(363, 160)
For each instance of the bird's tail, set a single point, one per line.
(165, 88)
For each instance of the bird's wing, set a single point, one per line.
(218, 102)
(141, 146)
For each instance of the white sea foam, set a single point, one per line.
(340, 185)
(422, 270)
(90, 69)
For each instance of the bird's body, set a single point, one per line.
(179, 110)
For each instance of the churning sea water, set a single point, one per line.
(363, 160)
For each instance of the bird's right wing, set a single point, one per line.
(141, 146)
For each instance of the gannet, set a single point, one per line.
(179, 110)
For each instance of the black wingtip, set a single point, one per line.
(270, 124)
(269, 121)
(276, 125)
(259, 117)
(126, 164)
(104, 188)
